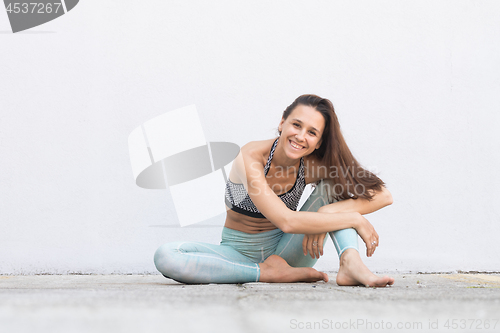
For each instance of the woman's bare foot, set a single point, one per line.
(353, 272)
(276, 269)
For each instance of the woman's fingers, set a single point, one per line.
(376, 241)
(370, 248)
(369, 236)
(321, 241)
(307, 245)
(317, 245)
(310, 246)
(304, 244)
(313, 244)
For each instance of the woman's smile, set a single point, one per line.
(295, 145)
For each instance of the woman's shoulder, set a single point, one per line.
(258, 149)
(250, 153)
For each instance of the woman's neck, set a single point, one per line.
(280, 159)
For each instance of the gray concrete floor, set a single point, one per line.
(152, 303)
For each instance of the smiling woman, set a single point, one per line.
(264, 238)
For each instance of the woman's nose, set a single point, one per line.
(300, 136)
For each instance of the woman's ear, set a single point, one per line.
(280, 126)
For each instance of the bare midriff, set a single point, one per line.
(248, 224)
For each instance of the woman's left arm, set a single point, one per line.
(313, 243)
(361, 205)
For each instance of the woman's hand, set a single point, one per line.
(313, 244)
(367, 232)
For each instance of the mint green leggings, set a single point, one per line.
(236, 258)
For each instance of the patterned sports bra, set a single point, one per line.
(238, 200)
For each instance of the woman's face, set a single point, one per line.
(302, 131)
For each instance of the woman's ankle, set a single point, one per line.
(348, 255)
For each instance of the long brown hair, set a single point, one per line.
(349, 175)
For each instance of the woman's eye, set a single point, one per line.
(312, 133)
(296, 125)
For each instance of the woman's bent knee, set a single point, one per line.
(165, 259)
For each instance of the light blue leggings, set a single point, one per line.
(236, 259)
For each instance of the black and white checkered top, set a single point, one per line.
(238, 200)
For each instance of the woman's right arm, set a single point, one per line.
(250, 171)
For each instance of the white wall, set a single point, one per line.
(415, 84)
